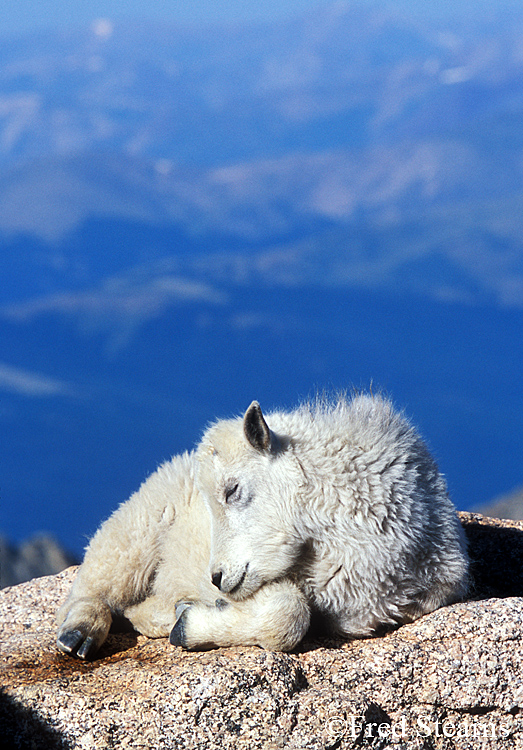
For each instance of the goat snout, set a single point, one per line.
(229, 582)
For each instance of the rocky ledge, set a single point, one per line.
(453, 679)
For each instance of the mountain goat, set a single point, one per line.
(335, 510)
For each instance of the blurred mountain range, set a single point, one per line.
(506, 506)
(39, 556)
(192, 218)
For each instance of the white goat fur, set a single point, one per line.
(336, 509)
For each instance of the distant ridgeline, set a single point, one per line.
(39, 556)
(505, 506)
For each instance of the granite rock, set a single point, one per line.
(453, 679)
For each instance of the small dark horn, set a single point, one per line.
(257, 430)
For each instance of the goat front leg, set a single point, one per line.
(121, 561)
(153, 617)
(276, 618)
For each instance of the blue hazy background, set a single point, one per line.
(205, 203)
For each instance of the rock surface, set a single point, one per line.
(453, 679)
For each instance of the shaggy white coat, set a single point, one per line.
(335, 509)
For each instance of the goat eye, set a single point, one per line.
(231, 491)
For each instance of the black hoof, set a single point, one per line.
(69, 641)
(180, 607)
(75, 643)
(87, 648)
(177, 636)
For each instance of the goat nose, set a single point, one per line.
(217, 579)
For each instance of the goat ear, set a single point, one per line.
(257, 430)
